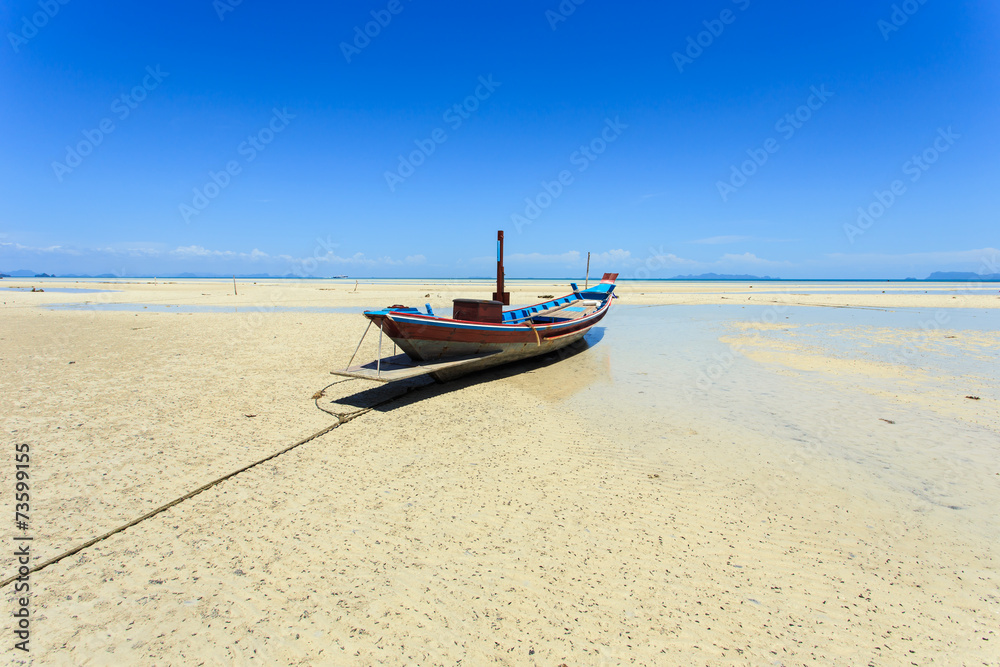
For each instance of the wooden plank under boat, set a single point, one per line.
(401, 367)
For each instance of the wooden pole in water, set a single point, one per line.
(586, 284)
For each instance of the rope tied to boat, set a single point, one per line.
(359, 343)
(532, 327)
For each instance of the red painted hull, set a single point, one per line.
(426, 338)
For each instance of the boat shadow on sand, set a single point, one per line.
(350, 395)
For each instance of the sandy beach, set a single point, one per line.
(730, 473)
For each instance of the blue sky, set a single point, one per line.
(800, 140)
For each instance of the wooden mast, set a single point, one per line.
(500, 295)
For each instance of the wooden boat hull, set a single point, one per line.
(425, 339)
(447, 348)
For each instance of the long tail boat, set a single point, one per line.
(481, 334)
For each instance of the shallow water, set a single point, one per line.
(801, 290)
(833, 291)
(878, 395)
(68, 290)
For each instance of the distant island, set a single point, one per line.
(26, 274)
(22, 273)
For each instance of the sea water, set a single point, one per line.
(879, 395)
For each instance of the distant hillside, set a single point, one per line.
(721, 276)
(964, 276)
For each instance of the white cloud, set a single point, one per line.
(52, 249)
(653, 257)
(198, 251)
(191, 251)
(670, 259)
(130, 249)
(159, 257)
(617, 257)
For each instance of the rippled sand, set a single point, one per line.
(715, 483)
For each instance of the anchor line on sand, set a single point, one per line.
(342, 418)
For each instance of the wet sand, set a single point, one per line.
(712, 482)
